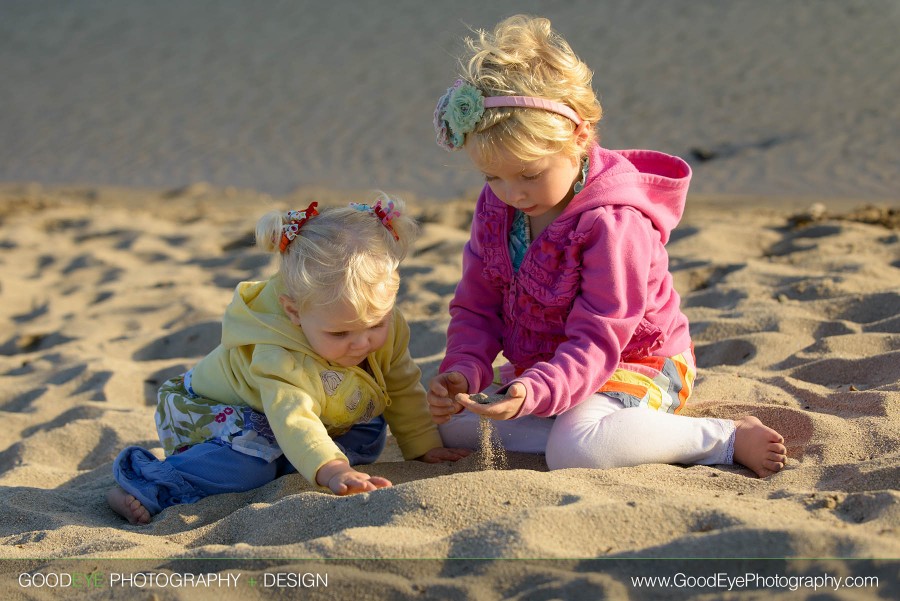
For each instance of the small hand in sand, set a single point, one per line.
(758, 447)
(441, 390)
(505, 406)
(344, 480)
(127, 506)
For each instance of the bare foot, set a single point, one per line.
(758, 447)
(127, 506)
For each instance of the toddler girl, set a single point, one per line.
(566, 273)
(313, 363)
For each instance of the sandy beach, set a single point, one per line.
(795, 322)
(125, 227)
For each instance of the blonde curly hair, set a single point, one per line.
(342, 253)
(525, 56)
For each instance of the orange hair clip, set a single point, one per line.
(295, 220)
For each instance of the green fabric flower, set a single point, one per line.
(457, 113)
(465, 109)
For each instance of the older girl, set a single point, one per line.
(566, 273)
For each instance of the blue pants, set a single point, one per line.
(213, 467)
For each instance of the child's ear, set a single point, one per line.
(290, 309)
(583, 134)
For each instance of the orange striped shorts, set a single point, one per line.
(659, 383)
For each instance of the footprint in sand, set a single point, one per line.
(193, 341)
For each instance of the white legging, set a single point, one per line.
(602, 433)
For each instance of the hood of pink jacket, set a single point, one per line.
(653, 182)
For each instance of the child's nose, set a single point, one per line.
(514, 194)
(360, 341)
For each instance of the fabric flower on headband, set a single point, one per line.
(295, 220)
(457, 113)
(385, 215)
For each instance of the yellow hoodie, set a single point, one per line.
(265, 362)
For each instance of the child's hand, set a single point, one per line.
(441, 390)
(506, 408)
(441, 454)
(344, 480)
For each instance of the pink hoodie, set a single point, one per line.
(593, 289)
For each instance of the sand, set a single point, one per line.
(125, 222)
(109, 291)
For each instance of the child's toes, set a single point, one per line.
(140, 513)
(776, 447)
(127, 506)
(773, 465)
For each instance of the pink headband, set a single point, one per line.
(460, 109)
(533, 102)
